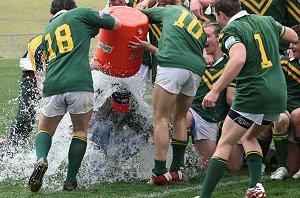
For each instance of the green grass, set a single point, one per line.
(233, 185)
(10, 75)
(28, 17)
(32, 16)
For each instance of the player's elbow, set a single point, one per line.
(290, 36)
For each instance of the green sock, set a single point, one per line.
(254, 160)
(43, 142)
(297, 140)
(216, 170)
(264, 143)
(76, 153)
(159, 167)
(178, 154)
(281, 144)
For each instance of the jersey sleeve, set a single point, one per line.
(99, 19)
(281, 29)
(155, 14)
(229, 37)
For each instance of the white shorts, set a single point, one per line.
(204, 130)
(258, 118)
(177, 80)
(291, 136)
(74, 102)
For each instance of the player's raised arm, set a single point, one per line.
(197, 7)
(146, 4)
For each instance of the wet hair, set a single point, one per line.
(58, 5)
(217, 28)
(296, 28)
(228, 7)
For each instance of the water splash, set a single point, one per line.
(96, 167)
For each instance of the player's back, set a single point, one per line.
(260, 36)
(183, 39)
(67, 40)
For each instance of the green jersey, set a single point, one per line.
(273, 8)
(210, 76)
(183, 39)
(261, 87)
(208, 16)
(291, 69)
(292, 13)
(67, 42)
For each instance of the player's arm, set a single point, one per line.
(146, 4)
(108, 20)
(289, 35)
(142, 45)
(155, 14)
(237, 54)
(197, 7)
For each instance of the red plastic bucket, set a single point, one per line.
(112, 51)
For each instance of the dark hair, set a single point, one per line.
(296, 28)
(217, 28)
(58, 5)
(228, 7)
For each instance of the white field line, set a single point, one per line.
(187, 189)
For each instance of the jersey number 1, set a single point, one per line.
(64, 42)
(265, 62)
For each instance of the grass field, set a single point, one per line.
(28, 17)
(233, 185)
(31, 17)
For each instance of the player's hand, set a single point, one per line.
(209, 100)
(139, 45)
(94, 65)
(142, 5)
(208, 58)
(196, 8)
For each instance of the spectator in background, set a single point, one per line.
(68, 85)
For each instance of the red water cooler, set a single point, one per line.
(112, 51)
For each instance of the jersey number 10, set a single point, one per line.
(191, 25)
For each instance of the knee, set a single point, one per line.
(295, 116)
(282, 125)
(234, 167)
